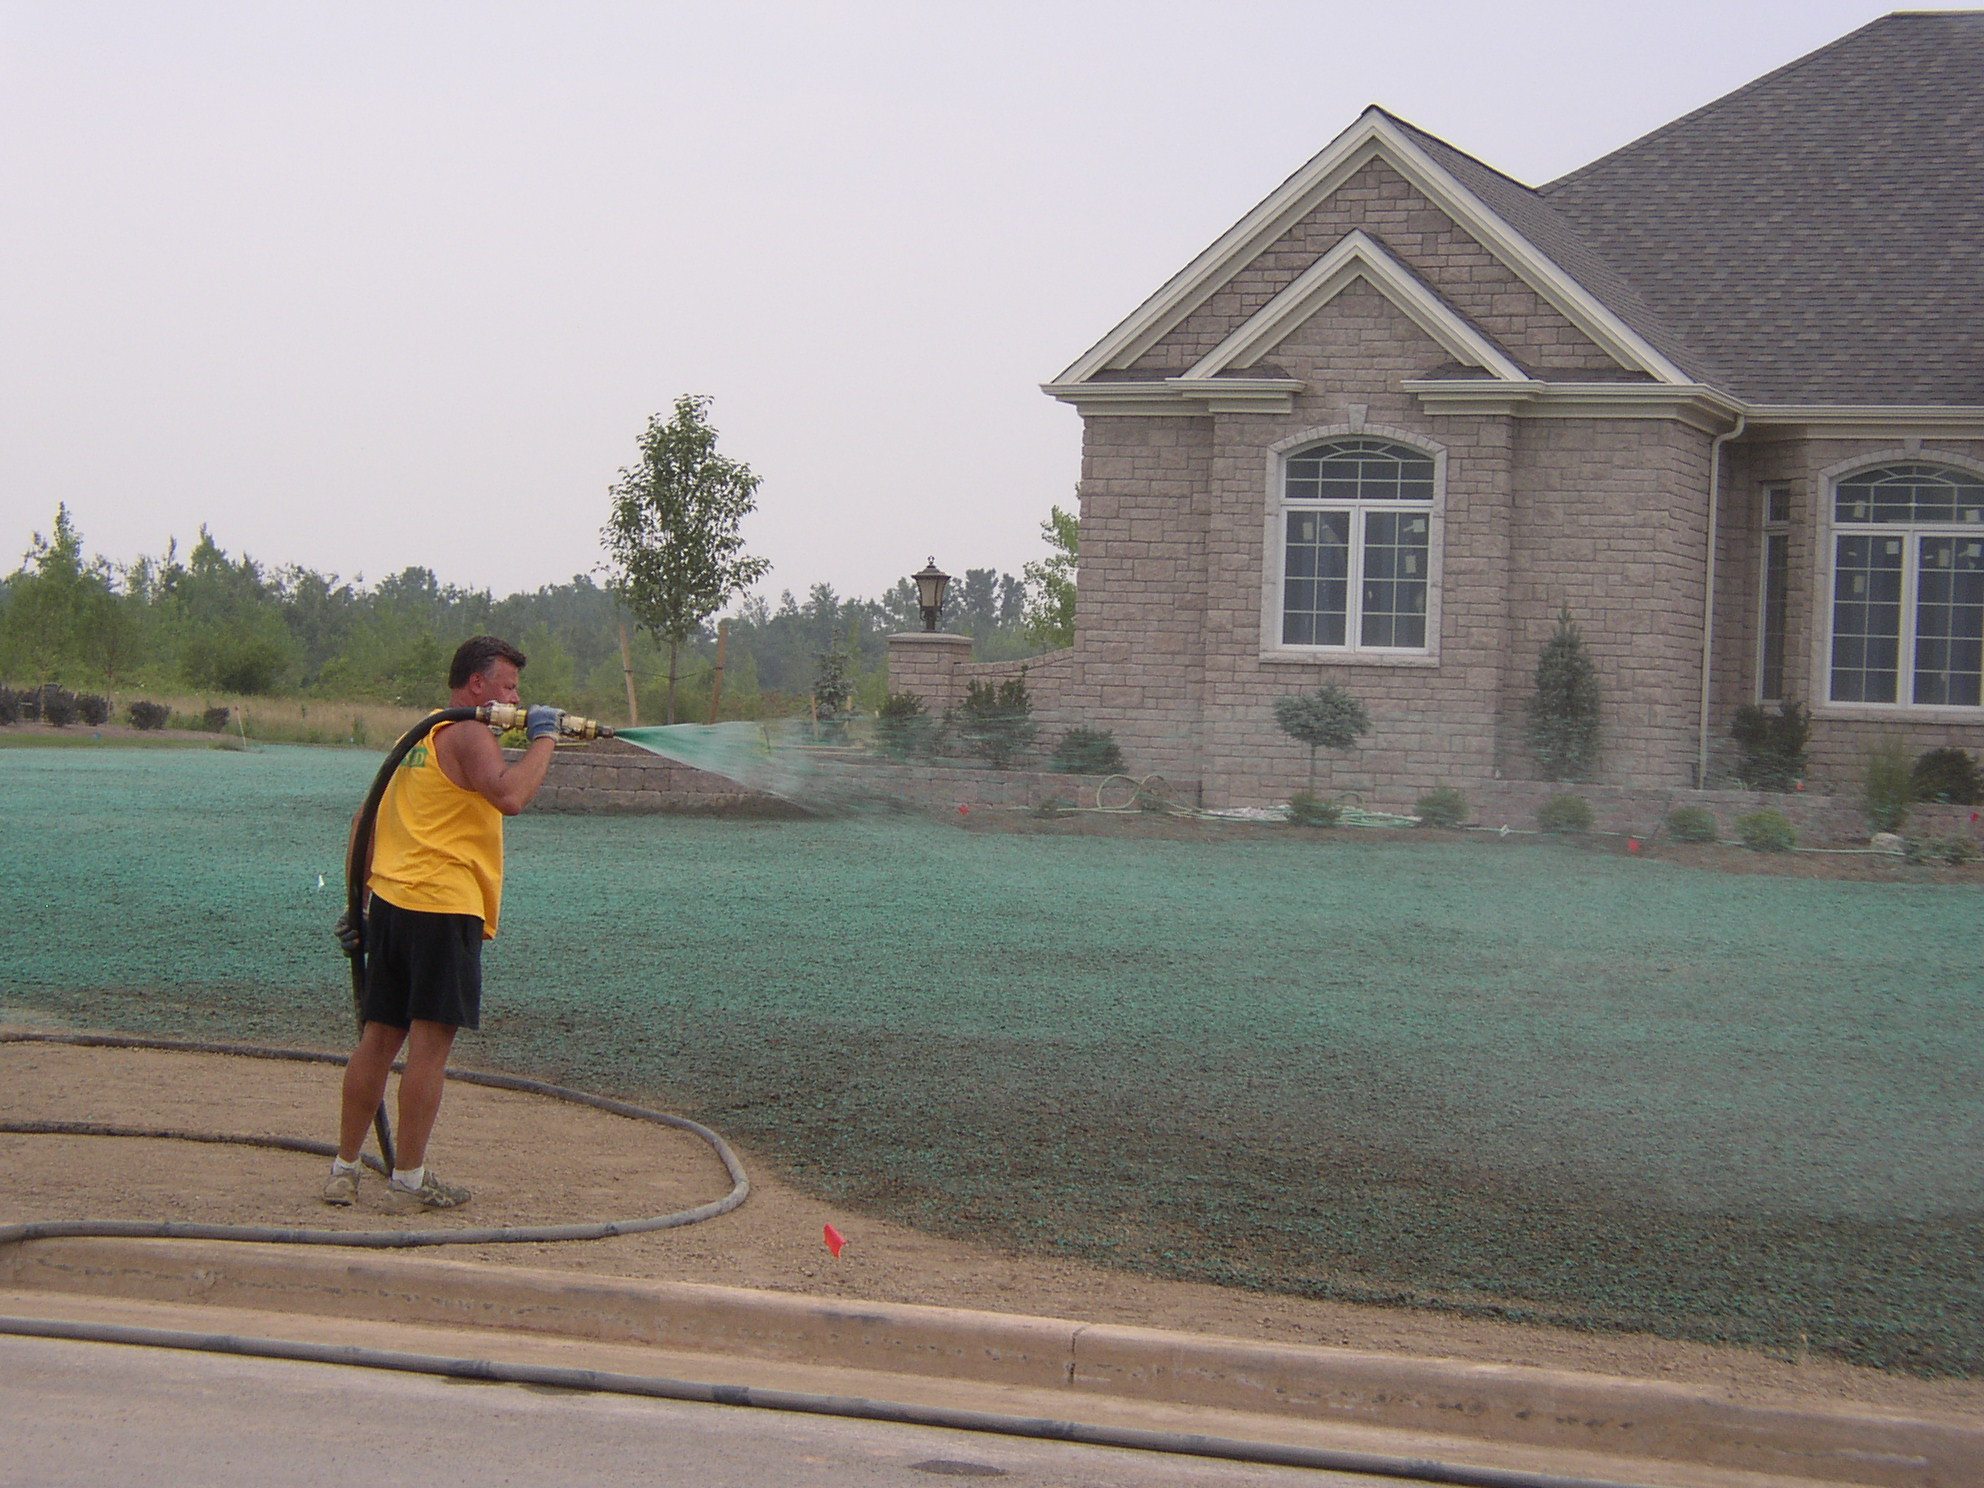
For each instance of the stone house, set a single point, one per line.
(1721, 393)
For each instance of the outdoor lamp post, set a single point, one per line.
(930, 587)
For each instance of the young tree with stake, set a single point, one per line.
(676, 557)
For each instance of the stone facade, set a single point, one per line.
(1597, 498)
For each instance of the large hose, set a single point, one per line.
(740, 1185)
(854, 1407)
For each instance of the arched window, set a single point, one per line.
(1356, 551)
(1908, 586)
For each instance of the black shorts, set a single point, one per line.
(422, 965)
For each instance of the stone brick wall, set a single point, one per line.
(612, 778)
(1840, 742)
(1416, 232)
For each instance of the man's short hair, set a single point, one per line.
(477, 655)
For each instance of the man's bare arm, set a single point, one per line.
(472, 758)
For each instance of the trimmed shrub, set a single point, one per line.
(28, 702)
(1691, 824)
(214, 719)
(1328, 718)
(1766, 831)
(1564, 814)
(1946, 775)
(10, 706)
(1307, 809)
(58, 706)
(1955, 851)
(903, 730)
(1087, 751)
(1443, 807)
(1563, 712)
(1771, 746)
(94, 708)
(1889, 788)
(149, 715)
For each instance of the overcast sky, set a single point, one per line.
(363, 285)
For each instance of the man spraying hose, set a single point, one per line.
(436, 882)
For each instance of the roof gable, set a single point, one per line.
(1376, 135)
(1357, 257)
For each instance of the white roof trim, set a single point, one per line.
(1185, 397)
(1696, 404)
(1373, 136)
(1357, 256)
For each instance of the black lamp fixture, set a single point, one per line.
(930, 587)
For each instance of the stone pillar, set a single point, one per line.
(927, 664)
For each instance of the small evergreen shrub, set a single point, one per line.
(1087, 751)
(1053, 806)
(214, 720)
(149, 715)
(1444, 807)
(1766, 831)
(1563, 712)
(995, 720)
(1328, 718)
(833, 692)
(903, 729)
(28, 701)
(1691, 824)
(1889, 788)
(1955, 851)
(1307, 809)
(1946, 775)
(94, 708)
(58, 706)
(1561, 815)
(10, 706)
(1771, 746)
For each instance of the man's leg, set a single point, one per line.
(365, 1078)
(421, 1087)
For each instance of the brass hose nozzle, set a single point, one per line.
(570, 725)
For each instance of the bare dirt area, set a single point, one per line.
(533, 1160)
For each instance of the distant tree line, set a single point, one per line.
(213, 623)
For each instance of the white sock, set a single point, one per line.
(409, 1177)
(339, 1165)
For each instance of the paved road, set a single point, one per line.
(89, 1413)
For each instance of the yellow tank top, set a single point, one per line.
(437, 846)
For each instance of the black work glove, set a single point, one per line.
(351, 934)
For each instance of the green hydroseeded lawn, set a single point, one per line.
(1513, 1078)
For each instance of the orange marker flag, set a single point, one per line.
(834, 1241)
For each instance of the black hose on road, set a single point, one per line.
(659, 1387)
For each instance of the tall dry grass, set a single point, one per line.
(272, 720)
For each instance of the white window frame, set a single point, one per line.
(1274, 566)
(1912, 534)
(1768, 530)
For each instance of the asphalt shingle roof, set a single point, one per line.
(1816, 236)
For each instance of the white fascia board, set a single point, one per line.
(1370, 137)
(1189, 287)
(1178, 397)
(1357, 256)
(1872, 421)
(1696, 404)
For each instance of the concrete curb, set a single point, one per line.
(1505, 1404)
